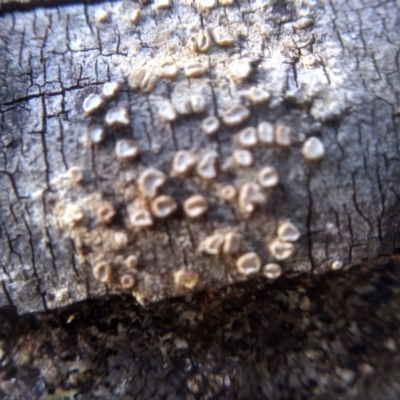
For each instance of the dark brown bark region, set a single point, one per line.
(346, 206)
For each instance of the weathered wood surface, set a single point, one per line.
(337, 78)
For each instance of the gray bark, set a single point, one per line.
(345, 205)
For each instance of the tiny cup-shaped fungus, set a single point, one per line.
(75, 175)
(150, 181)
(167, 112)
(127, 281)
(313, 149)
(242, 158)
(200, 42)
(194, 69)
(117, 117)
(105, 213)
(232, 243)
(131, 261)
(160, 4)
(212, 244)
(142, 78)
(126, 150)
(235, 115)
(197, 103)
(186, 279)
(228, 193)
(92, 103)
(248, 264)
(183, 162)
(140, 219)
(110, 89)
(272, 271)
(94, 134)
(195, 206)
(258, 96)
(102, 272)
(335, 265)
(210, 125)
(268, 177)
(266, 134)
(222, 37)
(134, 16)
(120, 240)
(287, 232)
(280, 250)
(168, 69)
(247, 138)
(240, 69)
(206, 4)
(182, 106)
(283, 135)
(250, 196)
(163, 206)
(73, 215)
(206, 168)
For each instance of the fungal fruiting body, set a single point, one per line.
(73, 215)
(195, 206)
(232, 243)
(194, 69)
(126, 150)
(283, 135)
(268, 177)
(206, 168)
(272, 271)
(247, 138)
(242, 158)
(280, 250)
(110, 89)
(94, 134)
(200, 42)
(140, 218)
(106, 213)
(117, 117)
(235, 115)
(142, 78)
(131, 261)
(168, 69)
(258, 96)
(250, 196)
(210, 125)
(228, 192)
(92, 103)
(313, 149)
(248, 263)
(222, 37)
(102, 272)
(75, 175)
(266, 133)
(167, 112)
(197, 103)
(183, 162)
(240, 69)
(163, 206)
(127, 281)
(186, 279)
(212, 244)
(287, 232)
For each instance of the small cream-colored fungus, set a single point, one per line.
(126, 150)
(195, 206)
(248, 264)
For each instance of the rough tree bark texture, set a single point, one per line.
(332, 71)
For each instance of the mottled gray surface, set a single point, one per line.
(346, 205)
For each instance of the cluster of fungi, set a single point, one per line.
(104, 231)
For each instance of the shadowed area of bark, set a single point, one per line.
(334, 336)
(331, 70)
